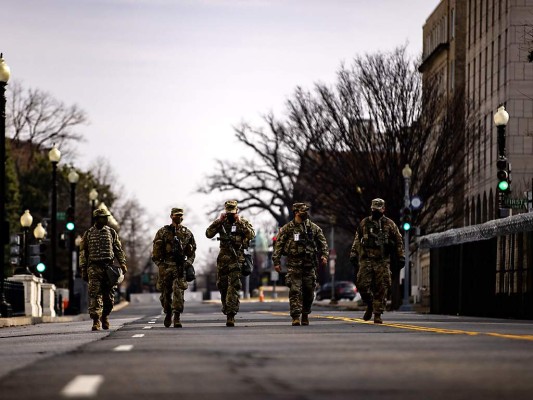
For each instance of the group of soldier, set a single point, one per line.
(301, 241)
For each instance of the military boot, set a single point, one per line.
(177, 322)
(168, 319)
(96, 324)
(368, 312)
(105, 321)
(305, 319)
(296, 321)
(377, 318)
(230, 320)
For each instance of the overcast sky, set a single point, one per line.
(164, 81)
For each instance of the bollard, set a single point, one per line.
(261, 294)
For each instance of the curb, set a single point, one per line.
(23, 321)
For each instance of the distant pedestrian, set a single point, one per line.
(304, 244)
(235, 234)
(100, 245)
(174, 250)
(376, 239)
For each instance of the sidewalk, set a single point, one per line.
(21, 321)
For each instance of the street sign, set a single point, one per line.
(515, 203)
(61, 215)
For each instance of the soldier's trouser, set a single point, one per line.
(171, 284)
(229, 285)
(374, 282)
(301, 281)
(101, 293)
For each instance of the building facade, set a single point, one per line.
(481, 47)
(483, 50)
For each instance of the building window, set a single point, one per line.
(474, 19)
(480, 19)
(498, 60)
(474, 80)
(452, 75)
(479, 80)
(452, 23)
(491, 76)
(486, 70)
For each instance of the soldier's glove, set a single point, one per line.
(124, 268)
(189, 272)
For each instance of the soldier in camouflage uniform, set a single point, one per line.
(235, 234)
(171, 280)
(303, 242)
(375, 239)
(99, 246)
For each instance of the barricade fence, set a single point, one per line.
(483, 270)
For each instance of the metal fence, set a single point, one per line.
(483, 270)
(14, 293)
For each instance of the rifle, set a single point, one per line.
(181, 259)
(246, 268)
(315, 258)
(177, 251)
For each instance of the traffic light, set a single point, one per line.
(15, 249)
(38, 256)
(70, 224)
(504, 178)
(405, 219)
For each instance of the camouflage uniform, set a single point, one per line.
(233, 235)
(171, 280)
(98, 248)
(302, 243)
(373, 244)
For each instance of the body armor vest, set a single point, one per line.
(100, 244)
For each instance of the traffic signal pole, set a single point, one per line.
(503, 166)
(406, 305)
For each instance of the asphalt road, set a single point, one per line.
(338, 356)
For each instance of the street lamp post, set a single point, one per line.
(39, 233)
(26, 220)
(406, 305)
(93, 197)
(54, 155)
(73, 178)
(501, 118)
(5, 72)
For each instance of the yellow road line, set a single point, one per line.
(418, 327)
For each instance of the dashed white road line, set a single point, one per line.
(123, 347)
(147, 327)
(83, 386)
(151, 322)
(138, 335)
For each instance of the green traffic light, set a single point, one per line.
(70, 226)
(406, 226)
(503, 185)
(40, 267)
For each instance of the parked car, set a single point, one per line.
(343, 290)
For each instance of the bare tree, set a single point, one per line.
(367, 128)
(135, 234)
(35, 117)
(341, 146)
(265, 180)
